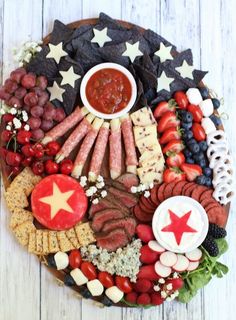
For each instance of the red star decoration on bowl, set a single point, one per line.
(178, 225)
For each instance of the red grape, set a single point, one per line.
(10, 86)
(34, 123)
(59, 115)
(36, 111)
(29, 80)
(20, 92)
(42, 82)
(43, 98)
(37, 90)
(46, 125)
(49, 111)
(15, 102)
(31, 99)
(26, 108)
(37, 134)
(17, 74)
(3, 94)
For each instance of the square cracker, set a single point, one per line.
(84, 234)
(19, 216)
(32, 242)
(22, 232)
(71, 235)
(64, 243)
(45, 242)
(39, 241)
(16, 199)
(53, 242)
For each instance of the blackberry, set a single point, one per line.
(69, 281)
(216, 231)
(210, 245)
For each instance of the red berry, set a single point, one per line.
(17, 74)
(177, 283)
(26, 161)
(42, 82)
(51, 167)
(4, 95)
(106, 279)
(156, 299)
(10, 86)
(28, 81)
(23, 136)
(34, 123)
(43, 98)
(38, 150)
(20, 93)
(38, 167)
(8, 117)
(52, 148)
(28, 150)
(145, 233)
(131, 297)
(31, 99)
(75, 259)
(148, 256)
(6, 135)
(144, 299)
(13, 159)
(49, 111)
(14, 102)
(142, 285)
(66, 166)
(59, 115)
(37, 134)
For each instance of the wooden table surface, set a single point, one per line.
(27, 290)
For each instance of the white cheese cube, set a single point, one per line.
(208, 125)
(142, 132)
(151, 174)
(143, 117)
(207, 107)
(95, 287)
(194, 96)
(114, 294)
(61, 260)
(158, 158)
(78, 277)
(152, 151)
(144, 143)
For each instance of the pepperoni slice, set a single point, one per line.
(177, 189)
(146, 202)
(146, 209)
(197, 192)
(154, 195)
(186, 187)
(205, 202)
(189, 190)
(206, 195)
(141, 215)
(168, 189)
(160, 192)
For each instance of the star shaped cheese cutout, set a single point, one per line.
(56, 92)
(58, 201)
(69, 77)
(179, 225)
(132, 51)
(163, 82)
(56, 52)
(186, 71)
(100, 37)
(164, 53)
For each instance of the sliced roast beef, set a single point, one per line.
(116, 202)
(103, 216)
(101, 205)
(128, 223)
(112, 240)
(127, 199)
(128, 180)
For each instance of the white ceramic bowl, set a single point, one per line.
(108, 65)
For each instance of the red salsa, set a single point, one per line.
(108, 90)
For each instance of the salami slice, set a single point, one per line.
(177, 189)
(141, 215)
(128, 136)
(217, 215)
(168, 189)
(147, 203)
(68, 123)
(154, 195)
(197, 192)
(205, 202)
(189, 190)
(206, 195)
(186, 187)
(160, 193)
(76, 136)
(85, 148)
(115, 156)
(99, 152)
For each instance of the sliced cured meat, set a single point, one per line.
(205, 202)
(168, 189)
(141, 215)
(128, 136)
(206, 195)
(128, 180)
(101, 217)
(128, 200)
(145, 209)
(99, 152)
(85, 148)
(128, 223)
(112, 240)
(197, 191)
(189, 184)
(189, 190)
(114, 201)
(177, 189)
(115, 147)
(154, 195)
(101, 205)
(212, 205)
(218, 216)
(68, 123)
(75, 137)
(147, 203)
(160, 192)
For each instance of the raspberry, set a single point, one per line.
(216, 231)
(131, 297)
(144, 299)
(210, 245)
(142, 285)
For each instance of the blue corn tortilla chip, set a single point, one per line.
(107, 21)
(60, 33)
(155, 39)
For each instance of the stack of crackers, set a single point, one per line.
(40, 242)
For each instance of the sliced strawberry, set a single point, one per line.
(175, 145)
(148, 272)
(192, 170)
(142, 285)
(173, 174)
(170, 134)
(145, 233)
(175, 159)
(168, 120)
(148, 256)
(163, 107)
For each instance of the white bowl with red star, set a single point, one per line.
(180, 224)
(58, 202)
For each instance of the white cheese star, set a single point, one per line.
(186, 71)
(163, 82)
(132, 51)
(58, 201)
(100, 37)
(164, 53)
(56, 92)
(56, 52)
(69, 77)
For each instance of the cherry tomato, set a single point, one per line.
(89, 270)
(198, 132)
(106, 279)
(75, 259)
(196, 112)
(181, 99)
(123, 284)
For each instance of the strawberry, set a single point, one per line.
(173, 174)
(148, 256)
(163, 107)
(177, 283)
(175, 145)
(131, 297)
(144, 299)
(145, 233)
(175, 159)
(168, 120)
(142, 285)
(192, 171)
(170, 134)
(156, 299)
(181, 99)
(148, 272)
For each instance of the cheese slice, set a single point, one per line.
(142, 132)
(144, 144)
(143, 117)
(151, 174)
(152, 162)
(152, 151)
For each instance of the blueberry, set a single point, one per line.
(69, 281)
(204, 92)
(106, 301)
(203, 146)
(187, 117)
(51, 261)
(187, 135)
(202, 163)
(85, 292)
(192, 141)
(208, 172)
(181, 112)
(216, 103)
(186, 125)
(199, 156)
(194, 148)
(216, 120)
(201, 180)
(187, 153)
(208, 182)
(189, 160)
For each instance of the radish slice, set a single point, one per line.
(193, 265)
(162, 270)
(155, 246)
(194, 255)
(168, 258)
(181, 264)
